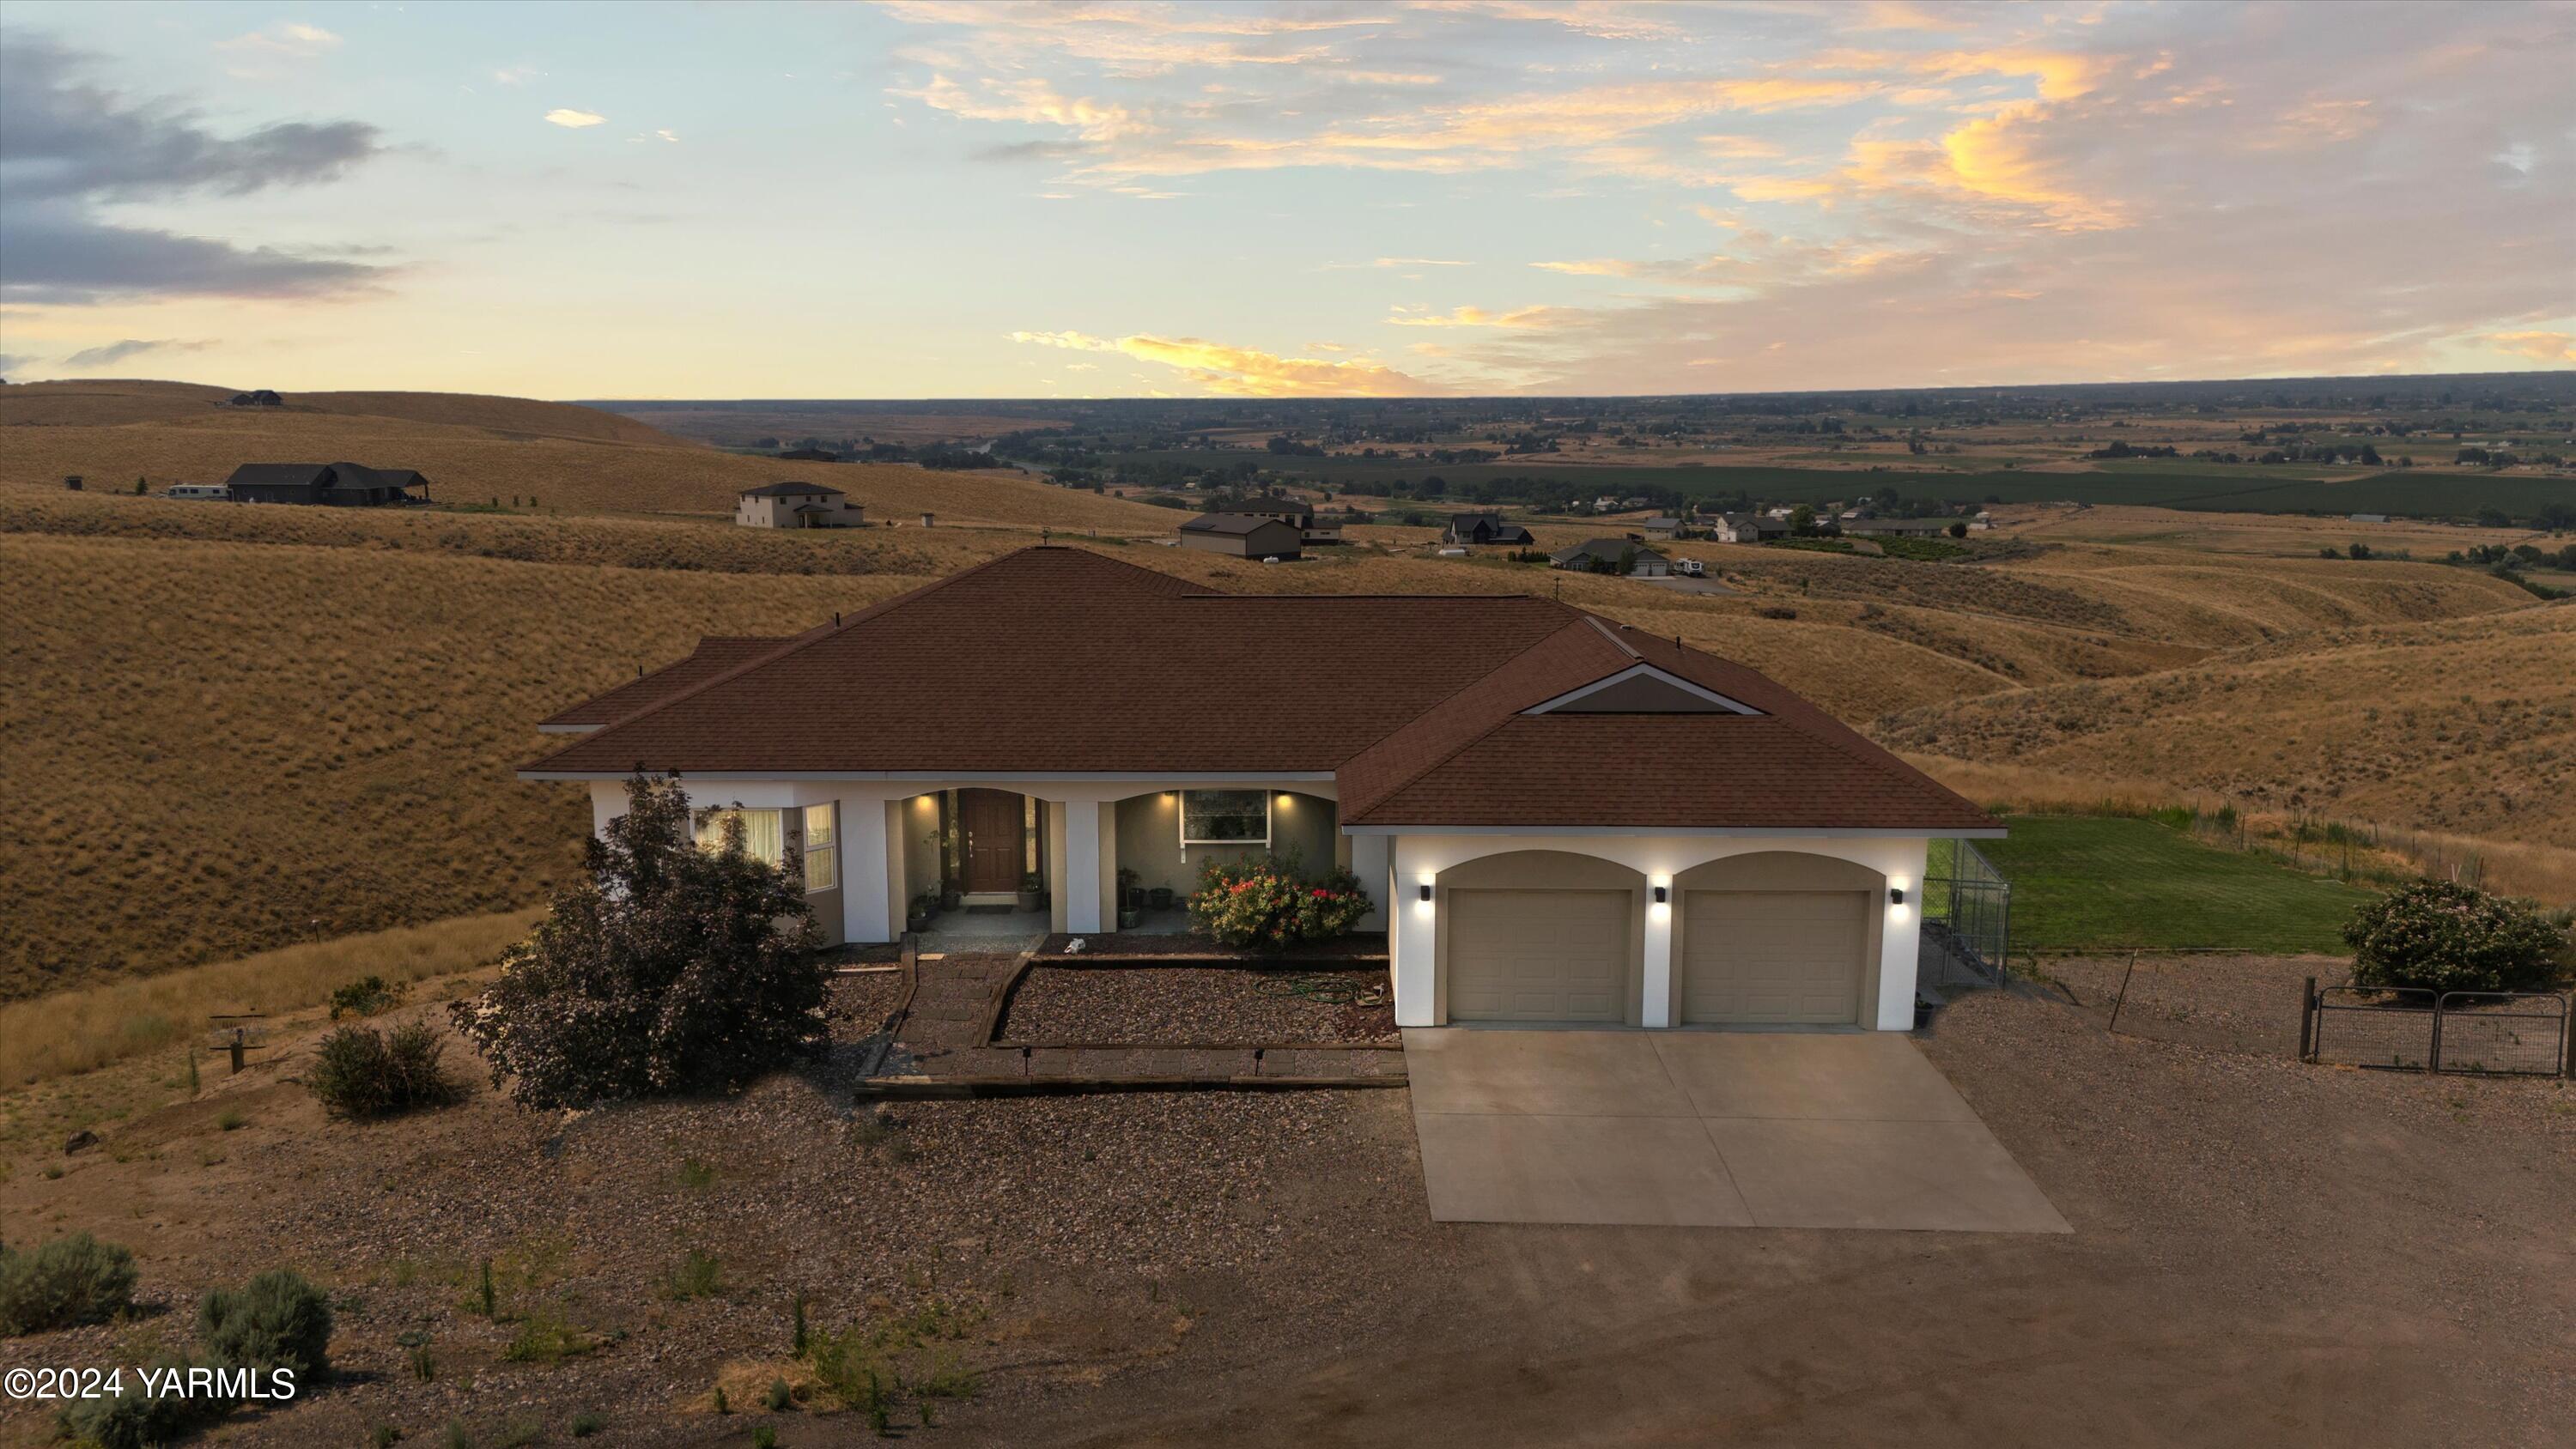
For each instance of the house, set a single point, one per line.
(1662, 525)
(1570, 822)
(1748, 528)
(1296, 511)
(262, 398)
(1244, 535)
(1484, 528)
(339, 485)
(1897, 527)
(2370, 518)
(797, 505)
(198, 490)
(1612, 556)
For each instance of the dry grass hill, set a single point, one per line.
(473, 449)
(220, 725)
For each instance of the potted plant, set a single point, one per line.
(1032, 891)
(924, 906)
(1161, 897)
(1131, 899)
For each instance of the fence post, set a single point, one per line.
(2307, 1018)
(2435, 1064)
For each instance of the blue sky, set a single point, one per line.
(1418, 197)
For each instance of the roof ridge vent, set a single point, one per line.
(1624, 645)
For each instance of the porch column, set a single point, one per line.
(1084, 890)
(1657, 1008)
(867, 916)
(1059, 891)
(1370, 864)
(899, 890)
(1411, 940)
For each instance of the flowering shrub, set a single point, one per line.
(2448, 937)
(1268, 904)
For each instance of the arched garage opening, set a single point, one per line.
(1776, 938)
(1542, 936)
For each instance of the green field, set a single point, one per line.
(2093, 883)
(2161, 483)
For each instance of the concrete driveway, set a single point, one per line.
(1706, 1129)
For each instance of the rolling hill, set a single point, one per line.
(569, 459)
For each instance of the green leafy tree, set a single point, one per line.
(2443, 936)
(665, 968)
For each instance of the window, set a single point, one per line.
(762, 837)
(1225, 817)
(822, 848)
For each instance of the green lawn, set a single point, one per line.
(2088, 883)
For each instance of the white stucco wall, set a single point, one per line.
(1418, 860)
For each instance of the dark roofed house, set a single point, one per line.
(261, 398)
(1244, 535)
(1570, 822)
(339, 485)
(1483, 528)
(1897, 527)
(1612, 556)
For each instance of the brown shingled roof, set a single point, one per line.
(1059, 660)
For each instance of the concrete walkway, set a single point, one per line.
(1706, 1129)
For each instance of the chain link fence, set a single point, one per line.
(1967, 918)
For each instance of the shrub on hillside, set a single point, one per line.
(70, 1280)
(133, 1417)
(366, 996)
(664, 968)
(2448, 937)
(361, 1073)
(1265, 903)
(276, 1321)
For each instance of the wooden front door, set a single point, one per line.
(994, 849)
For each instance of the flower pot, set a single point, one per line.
(1127, 918)
(1162, 898)
(1031, 900)
(917, 921)
(951, 898)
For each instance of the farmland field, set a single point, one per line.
(2416, 493)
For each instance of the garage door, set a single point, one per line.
(1538, 955)
(1774, 956)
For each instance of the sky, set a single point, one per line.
(1409, 198)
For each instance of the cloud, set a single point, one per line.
(2538, 346)
(1243, 372)
(277, 50)
(1479, 317)
(115, 352)
(14, 362)
(69, 147)
(572, 120)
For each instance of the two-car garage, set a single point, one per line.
(1770, 938)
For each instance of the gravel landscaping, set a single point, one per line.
(1200, 1005)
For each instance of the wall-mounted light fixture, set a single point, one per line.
(1663, 894)
(1425, 897)
(1896, 895)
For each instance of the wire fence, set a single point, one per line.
(1967, 918)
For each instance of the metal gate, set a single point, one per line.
(2491, 1033)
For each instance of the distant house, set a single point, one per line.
(1748, 528)
(2370, 518)
(1483, 528)
(1243, 535)
(797, 505)
(1663, 525)
(1610, 556)
(1896, 527)
(809, 455)
(263, 398)
(215, 491)
(338, 485)
(1294, 511)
